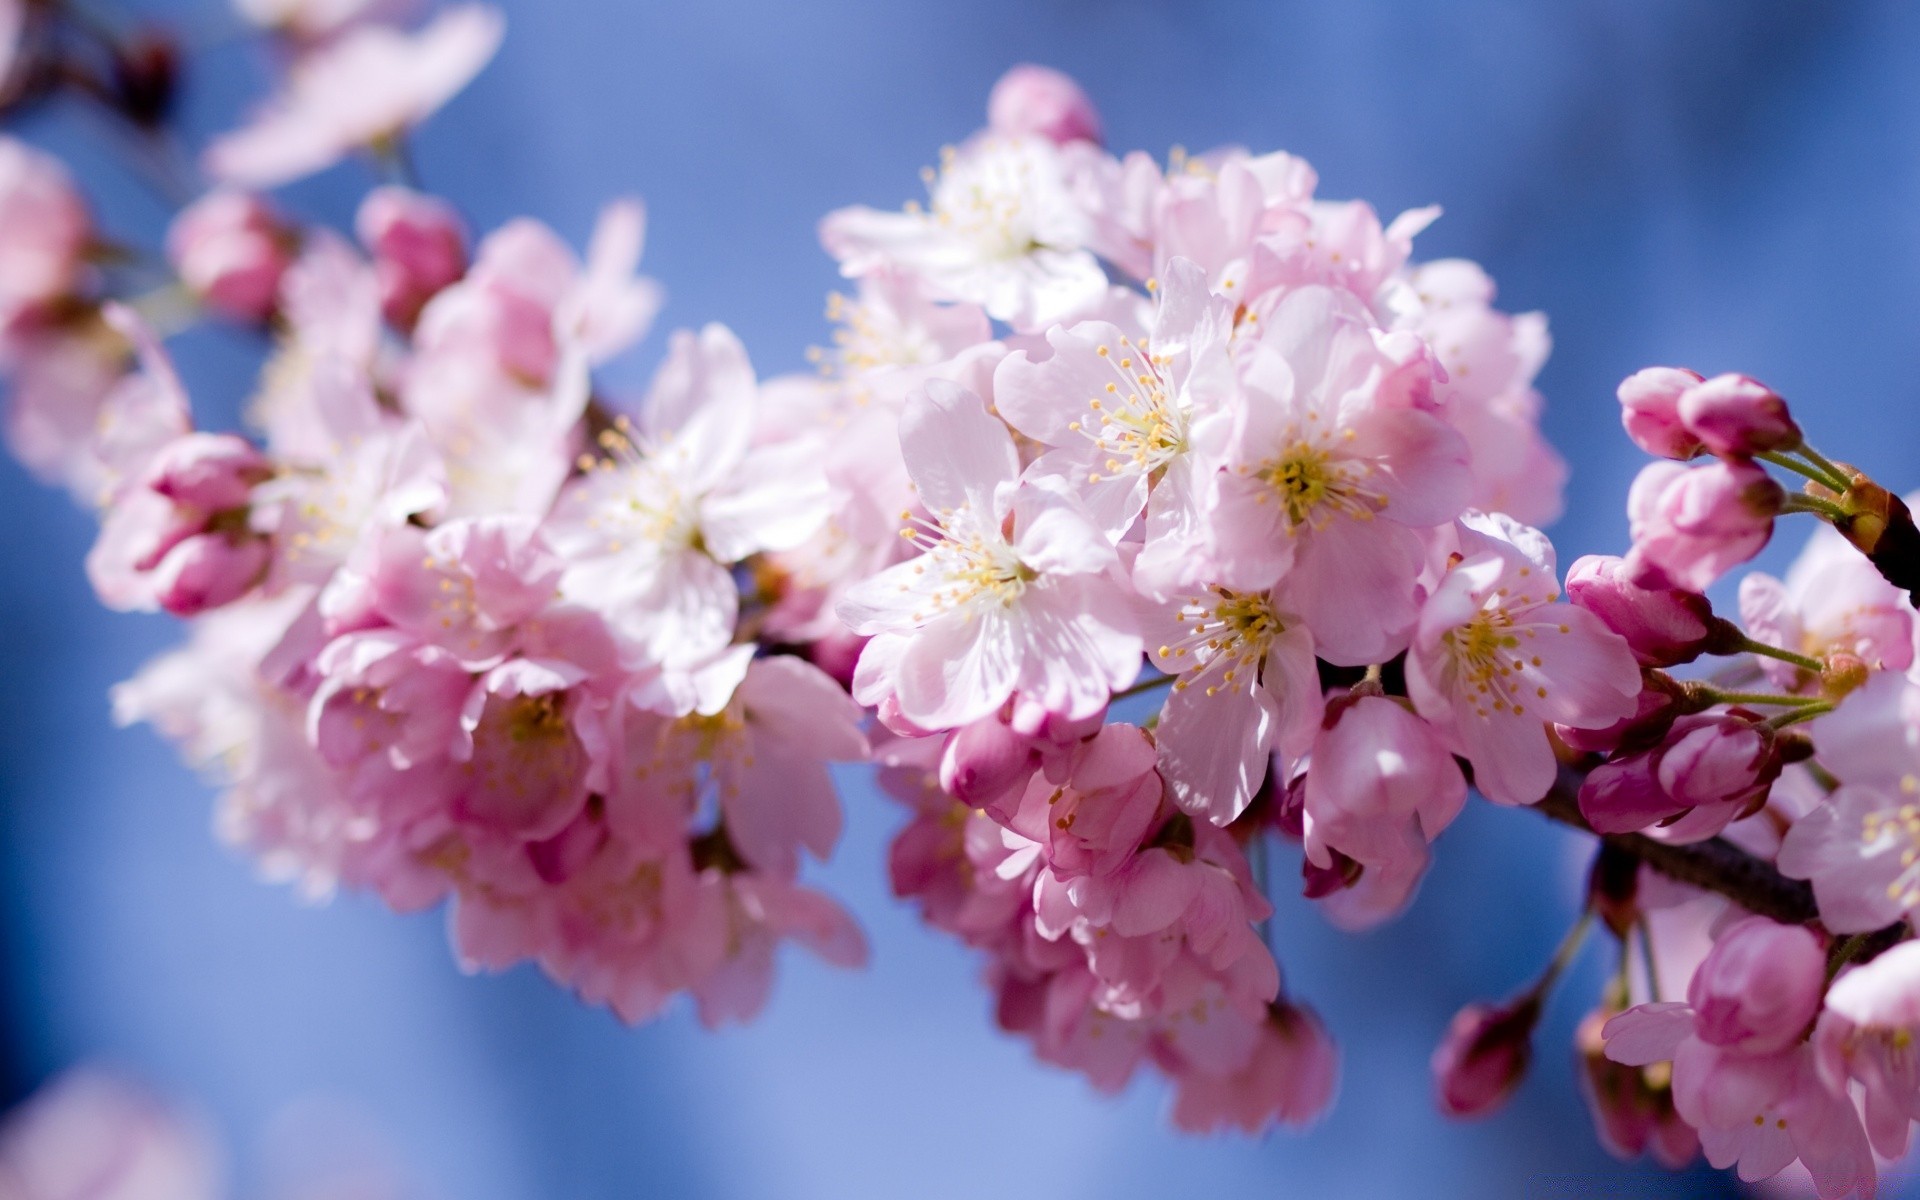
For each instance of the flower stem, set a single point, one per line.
(1647, 959)
(1826, 464)
(1814, 504)
(1721, 697)
(1787, 656)
(1804, 470)
(1804, 713)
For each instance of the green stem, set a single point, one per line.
(1814, 504)
(1826, 464)
(1806, 713)
(1786, 656)
(1721, 697)
(1563, 956)
(1805, 470)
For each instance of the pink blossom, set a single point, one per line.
(44, 230)
(1665, 626)
(230, 249)
(365, 89)
(1489, 359)
(1833, 601)
(1247, 688)
(1380, 786)
(419, 247)
(1013, 593)
(1290, 1079)
(1690, 525)
(1002, 229)
(1860, 848)
(1090, 812)
(1328, 479)
(1484, 1056)
(1493, 658)
(1134, 423)
(1040, 100)
(1758, 1112)
(1867, 1034)
(651, 530)
(1650, 410)
(1736, 417)
(1760, 987)
(68, 400)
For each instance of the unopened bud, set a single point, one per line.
(1484, 1056)
(1650, 411)
(1735, 416)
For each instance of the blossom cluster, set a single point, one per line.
(1141, 519)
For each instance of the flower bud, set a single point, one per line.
(985, 761)
(1484, 1056)
(211, 472)
(1734, 416)
(230, 249)
(1719, 758)
(1042, 101)
(146, 77)
(419, 247)
(1624, 796)
(1650, 410)
(206, 571)
(1759, 987)
(1664, 626)
(1691, 525)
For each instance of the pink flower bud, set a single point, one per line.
(1735, 416)
(1040, 100)
(418, 244)
(1484, 1055)
(211, 472)
(1664, 626)
(1625, 795)
(206, 571)
(1690, 525)
(230, 249)
(44, 228)
(1650, 410)
(985, 761)
(1759, 988)
(1719, 758)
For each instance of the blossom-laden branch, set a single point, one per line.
(464, 627)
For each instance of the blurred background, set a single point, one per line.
(1672, 181)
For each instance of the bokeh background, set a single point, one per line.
(1729, 186)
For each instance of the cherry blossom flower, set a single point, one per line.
(1246, 688)
(1650, 411)
(1861, 848)
(651, 529)
(1866, 1034)
(1002, 229)
(1494, 657)
(1329, 479)
(419, 247)
(1380, 786)
(1014, 592)
(1134, 422)
(1832, 602)
(365, 89)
